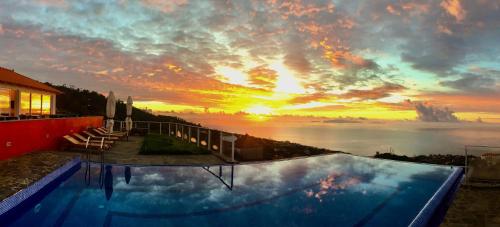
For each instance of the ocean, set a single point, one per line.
(403, 138)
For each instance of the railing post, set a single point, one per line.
(209, 139)
(466, 165)
(182, 132)
(220, 138)
(232, 150)
(169, 131)
(176, 129)
(160, 128)
(189, 134)
(149, 127)
(198, 136)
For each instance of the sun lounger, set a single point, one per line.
(103, 134)
(105, 131)
(98, 136)
(92, 140)
(74, 143)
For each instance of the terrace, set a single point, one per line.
(127, 153)
(309, 182)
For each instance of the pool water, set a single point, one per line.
(331, 190)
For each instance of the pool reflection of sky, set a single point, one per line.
(339, 189)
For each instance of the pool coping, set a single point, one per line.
(276, 160)
(434, 211)
(12, 205)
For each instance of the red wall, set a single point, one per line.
(20, 137)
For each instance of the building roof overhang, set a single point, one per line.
(9, 76)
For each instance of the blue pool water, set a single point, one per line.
(332, 190)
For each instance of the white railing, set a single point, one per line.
(201, 136)
(483, 168)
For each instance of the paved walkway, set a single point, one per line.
(19, 172)
(474, 207)
(126, 152)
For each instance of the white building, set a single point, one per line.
(22, 96)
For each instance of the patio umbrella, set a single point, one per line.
(128, 174)
(128, 120)
(108, 182)
(110, 111)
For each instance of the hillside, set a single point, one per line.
(82, 102)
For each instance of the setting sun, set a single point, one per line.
(259, 110)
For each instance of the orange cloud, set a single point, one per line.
(301, 99)
(392, 10)
(173, 68)
(263, 77)
(408, 9)
(464, 103)
(416, 7)
(454, 8)
(298, 8)
(444, 29)
(341, 57)
(164, 6)
(375, 93)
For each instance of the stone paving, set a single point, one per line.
(19, 172)
(474, 207)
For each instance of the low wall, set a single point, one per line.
(24, 136)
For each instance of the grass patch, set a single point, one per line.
(163, 144)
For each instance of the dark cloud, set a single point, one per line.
(471, 82)
(429, 113)
(342, 120)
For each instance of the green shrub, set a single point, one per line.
(163, 144)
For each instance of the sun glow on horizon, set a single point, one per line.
(259, 110)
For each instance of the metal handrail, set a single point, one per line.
(219, 176)
(180, 127)
(466, 156)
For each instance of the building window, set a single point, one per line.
(6, 97)
(46, 100)
(36, 104)
(25, 103)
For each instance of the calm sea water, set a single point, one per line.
(408, 138)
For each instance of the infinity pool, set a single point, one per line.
(332, 190)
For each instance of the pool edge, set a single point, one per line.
(434, 211)
(23, 199)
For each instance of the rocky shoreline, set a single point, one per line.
(440, 159)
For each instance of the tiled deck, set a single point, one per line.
(19, 172)
(474, 207)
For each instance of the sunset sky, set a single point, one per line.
(330, 58)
